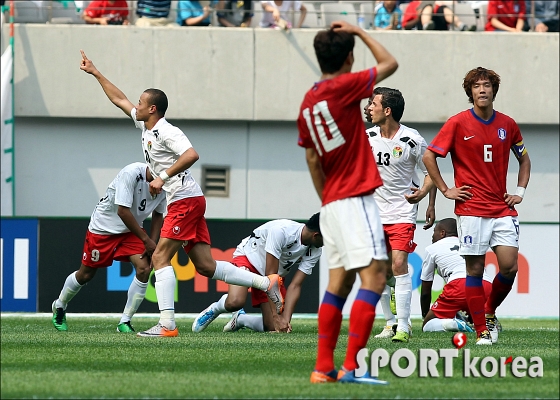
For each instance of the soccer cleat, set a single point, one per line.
(491, 324)
(498, 324)
(321, 377)
(395, 326)
(204, 319)
(463, 326)
(59, 318)
(484, 338)
(232, 326)
(159, 331)
(273, 292)
(386, 333)
(393, 302)
(401, 337)
(125, 327)
(348, 377)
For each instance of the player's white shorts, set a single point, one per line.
(477, 235)
(352, 232)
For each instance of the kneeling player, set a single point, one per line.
(275, 247)
(443, 255)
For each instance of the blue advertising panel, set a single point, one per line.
(18, 264)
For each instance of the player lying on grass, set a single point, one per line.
(278, 246)
(443, 255)
(115, 233)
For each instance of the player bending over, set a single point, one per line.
(278, 246)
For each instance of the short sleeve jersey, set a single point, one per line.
(162, 146)
(282, 239)
(397, 160)
(443, 257)
(129, 189)
(330, 121)
(480, 156)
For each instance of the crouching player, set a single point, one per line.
(278, 246)
(443, 255)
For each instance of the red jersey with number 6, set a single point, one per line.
(480, 156)
(330, 121)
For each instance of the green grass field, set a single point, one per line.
(93, 360)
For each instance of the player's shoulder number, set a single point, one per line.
(317, 131)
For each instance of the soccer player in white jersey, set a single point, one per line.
(398, 150)
(443, 255)
(276, 246)
(170, 154)
(115, 233)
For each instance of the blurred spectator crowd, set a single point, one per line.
(491, 15)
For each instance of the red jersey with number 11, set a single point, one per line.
(330, 121)
(480, 156)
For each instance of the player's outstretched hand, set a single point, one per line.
(512, 199)
(86, 65)
(343, 26)
(462, 193)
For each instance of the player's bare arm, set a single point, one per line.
(431, 209)
(419, 193)
(114, 94)
(185, 161)
(462, 193)
(316, 170)
(522, 180)
(157, 223)
(292, 296)
(386, 63)
(272, 266)
(425, 297)
(128, 219)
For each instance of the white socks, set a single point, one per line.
(385, 301)
(165, 292)
(441, 325)
(254, 322)
(136, 294)
(69, 290)
(219, 307)
(229, 273)
(403, 297)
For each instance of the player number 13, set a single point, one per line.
(336, 140)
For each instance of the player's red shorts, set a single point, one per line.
(400, 237)
(258, 297)
(185, 221)
(101, 250)
(453, 298)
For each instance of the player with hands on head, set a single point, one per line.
(170, 154)
(479, 141)
(345, 177)
(277, 246)
(115, 232)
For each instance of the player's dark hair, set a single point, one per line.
(393, 99)
(332, 49)
(159, 99)
(449, 225)
(313, 223)
(477, 74)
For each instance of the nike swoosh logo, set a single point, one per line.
(521, 149)
(467, 138)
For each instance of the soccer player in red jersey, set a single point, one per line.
(345, 176)
(479, 140)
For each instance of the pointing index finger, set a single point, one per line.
(84, 57)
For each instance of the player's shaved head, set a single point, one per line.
(159, 99)
(332, 49)
(449, 225)
(474, 75)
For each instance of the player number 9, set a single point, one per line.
(95, 255)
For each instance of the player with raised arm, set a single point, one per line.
(345, 176)
(398, 150)
(277, 246)
(479, 140)
(170, 154)
(443, 256)
(115, 232)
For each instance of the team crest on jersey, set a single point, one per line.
(502, 133)
(176, 230)
(149, 145)
(397, 151)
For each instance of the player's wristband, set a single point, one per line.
(520, 191)
(164, 177)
